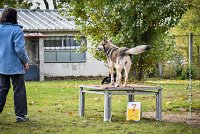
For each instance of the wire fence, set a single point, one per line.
(185, 65)
(187, 57)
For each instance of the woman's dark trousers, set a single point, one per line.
(20, 100)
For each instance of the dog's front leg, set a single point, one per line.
(111, 75)
(112, 79)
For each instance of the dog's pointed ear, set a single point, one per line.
(105, 40)
(110, 40)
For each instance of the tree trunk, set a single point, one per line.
(54, 4)
(46, 4)
(20, 1)
(140, 70)
(198, 53)
(140, 74)
(160, 70)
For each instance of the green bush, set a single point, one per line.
(169, 72)
(195, 72)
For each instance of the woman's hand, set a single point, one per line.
(26, 66)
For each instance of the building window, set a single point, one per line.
(64, 49)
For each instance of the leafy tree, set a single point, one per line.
(11, 3)
(16, 3)
(190, 21)
(129, 23)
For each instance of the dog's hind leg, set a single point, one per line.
(119, 76)
(126, 72)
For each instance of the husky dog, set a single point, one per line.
(119, 59)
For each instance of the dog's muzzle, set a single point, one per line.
(99, 48)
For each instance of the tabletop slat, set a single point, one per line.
(129, 87)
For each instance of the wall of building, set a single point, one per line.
(92, 67)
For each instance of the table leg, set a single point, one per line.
(131, 98)
(81, 102)
(107, 106)
(159, 105)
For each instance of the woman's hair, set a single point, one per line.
(9, 15)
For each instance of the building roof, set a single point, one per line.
(37, 20)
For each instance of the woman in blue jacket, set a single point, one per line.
(13, 61)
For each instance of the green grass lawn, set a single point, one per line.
(53, 108)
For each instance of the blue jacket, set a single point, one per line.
(13, 55)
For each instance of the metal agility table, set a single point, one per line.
(130, 91)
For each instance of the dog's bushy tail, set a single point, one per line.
(138, 49)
